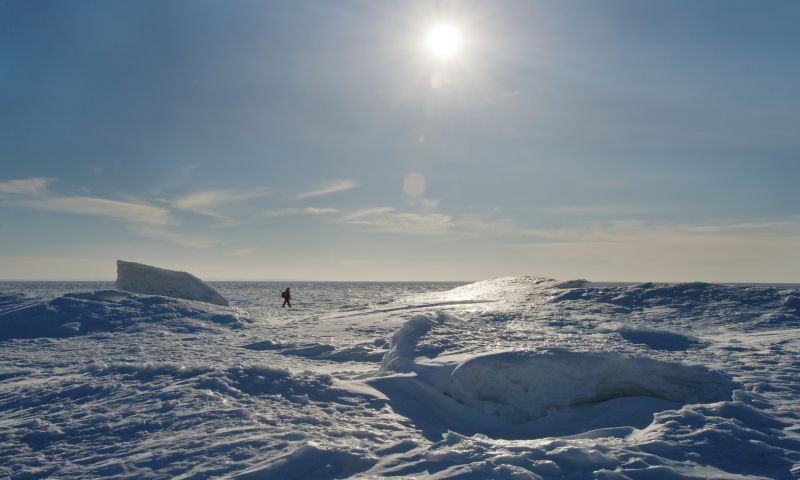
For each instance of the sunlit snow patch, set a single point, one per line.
(504, 290)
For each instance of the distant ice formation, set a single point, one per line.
(140, 278)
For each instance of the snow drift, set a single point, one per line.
(140, 278)
(530, 394)
(312, 462)
(106, 311)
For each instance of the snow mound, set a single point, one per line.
(522, 386)
(658, 339)
(140, 278)
(106, 311)
(580, 283)
(310, 462)
(792, 302)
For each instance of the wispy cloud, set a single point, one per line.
(142, 218)
(243, 252)
(209, 202)
(367, 212)
(631, 250)
(595, 210)
(389, 220)
(26, 186)
(158, 232)
(753, 227)
(334, 187)
(129, 212)
(285, 212)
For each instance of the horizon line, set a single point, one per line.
(284, 280)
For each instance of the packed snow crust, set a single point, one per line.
(139, 278)
(517, 377)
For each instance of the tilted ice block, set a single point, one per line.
(140, 278)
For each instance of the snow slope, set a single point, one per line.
(517, 377)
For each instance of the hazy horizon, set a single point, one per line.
(414, 141)
(289, 281)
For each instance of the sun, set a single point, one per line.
(444, 41)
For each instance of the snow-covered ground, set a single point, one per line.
(518, 377)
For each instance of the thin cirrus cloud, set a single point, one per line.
(159, 233)
(210, 202)
(129, 212)
(390, 220)
(285, 212)
(26, 186)
(142, 218)
(35, 195)
(335, 187)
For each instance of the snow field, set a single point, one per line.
(517, 377)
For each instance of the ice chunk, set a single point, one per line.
(400, 356)
(140, 278)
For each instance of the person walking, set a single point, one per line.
(287, 297)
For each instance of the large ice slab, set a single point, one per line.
(139, 278)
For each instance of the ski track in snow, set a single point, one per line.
(516, 377)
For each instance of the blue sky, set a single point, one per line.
(609, 140)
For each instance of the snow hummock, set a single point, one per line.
(523, 386)
(579, 283)
(513, 394)
(149, 280)
(311, 462)
(655, 338)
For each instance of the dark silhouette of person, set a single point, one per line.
(286, 298)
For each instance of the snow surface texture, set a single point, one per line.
(140, 278)
(508, 378)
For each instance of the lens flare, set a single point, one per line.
(414, 184)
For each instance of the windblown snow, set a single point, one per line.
(509, 378)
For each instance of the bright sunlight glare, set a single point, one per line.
(443, 41)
